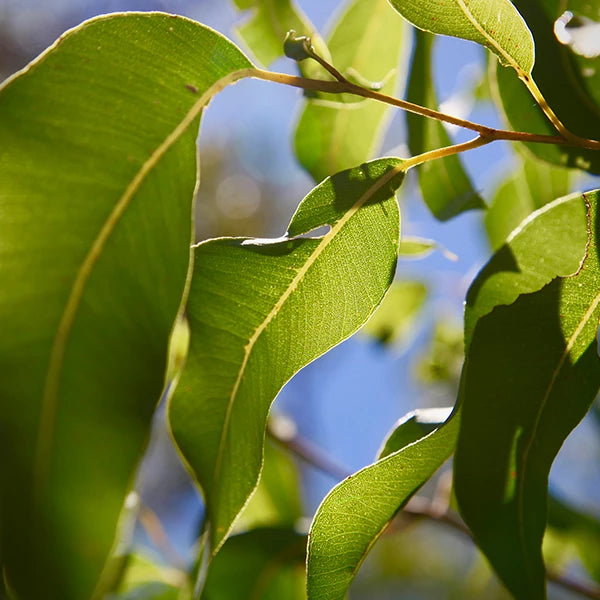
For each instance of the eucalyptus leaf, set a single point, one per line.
(357, 511)
(266, 564)
(532, 372)
(445, 186)
(97, 174)
(496, 24)
(394, 320)
(561, 79)
(245, 345)
(332, 136)
(526, 189)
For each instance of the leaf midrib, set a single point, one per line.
(57, 354)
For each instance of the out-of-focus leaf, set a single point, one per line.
(549, 243)
(332, 137)
(144, 579)
(266, 564)
(531, 374)
(442, 360)
(581, 528)
(444, 184)
(260, 310)
(495, 24)
(416, 247)
(357, 510)
(395, 318)
(563, 82)
(97, 173)
(534, 184)
(276, 501)
(265, 31)
(413, 427)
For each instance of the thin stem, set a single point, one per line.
(480, 140)
(347, 87)
(417, 508)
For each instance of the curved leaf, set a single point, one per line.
(495, 24)
(332, 136)
(561, 80)
(97, 173)
(531, 374)
(534, 184)
(266, 564)
(260, 310)
(357, 511)
(549, 243)
(444, 184)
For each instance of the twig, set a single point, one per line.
(490, 133)
(417, 508)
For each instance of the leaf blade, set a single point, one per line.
(237, 384)
(76, 167)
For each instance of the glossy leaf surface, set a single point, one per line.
(266, 563)
(495, 24)
(531, 374)
(332, 137)
(573, 96)
(530, 187)
(444, 184)
(97, 172)
(246, 344)
(357, 511)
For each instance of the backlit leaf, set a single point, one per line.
(357, 511)
(260, 310)
(332, 137)
(531, 374)
(444, 184)
(97, 173)
(495, 24)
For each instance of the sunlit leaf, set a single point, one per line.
(97, 173)
(548, 244)
(495, 24)
(259, 310)
(444, 184)
(562, 79)
(266, 564)
(331, 137)
(357, 510)
(394, 320)
(534, 184)
(531, 374)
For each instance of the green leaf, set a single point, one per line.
(534, 184)
(413, 427)
(97, 174)
(573, 96)
(264, 563)
(357, 511)
(331, 137)
(495, 24)
(549, 243)
(260, 310)
(531, 374)
(265, 31)
(276, 501)
(416, 247)
(394, 319)
(444, 184)
(443, 358)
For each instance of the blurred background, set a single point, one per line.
(339, 408)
